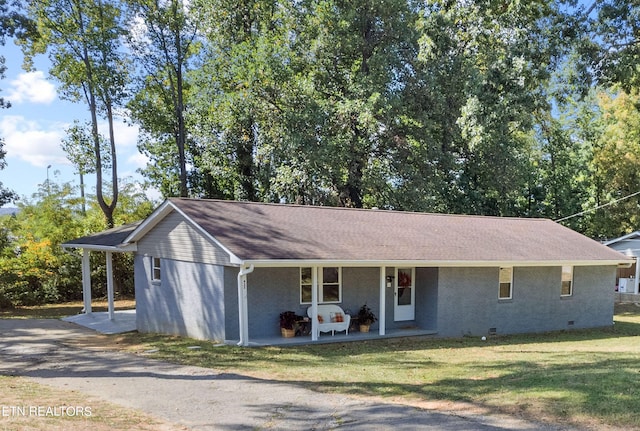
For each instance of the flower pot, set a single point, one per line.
(287, 333)
(364, 328)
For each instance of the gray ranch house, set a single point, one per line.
(225, 270)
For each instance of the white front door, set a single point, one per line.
(405, 294)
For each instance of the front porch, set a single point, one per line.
(403, 300)
(337, 338)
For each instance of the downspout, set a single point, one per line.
(243, 309)
(637, 279)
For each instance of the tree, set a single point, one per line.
(162, 37)
(83, 41)
(616, 166)
(80, 151)
(486, 66)
(244, 41)
(10, 22)
(613, 43)
(359, 58)
(33, 267)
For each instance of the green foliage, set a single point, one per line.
(616, 164)
(164, 45)
(463, 107)
(34, 269)
(616, 26)
(83, 41)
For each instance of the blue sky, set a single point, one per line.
(35, 125)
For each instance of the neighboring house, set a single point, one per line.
(627, 278)
(225, 270)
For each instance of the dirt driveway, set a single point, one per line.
(203, 399)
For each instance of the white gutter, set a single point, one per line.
(243, 309)
(280, 263)
(94, 247)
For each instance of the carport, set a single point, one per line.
(108, 242)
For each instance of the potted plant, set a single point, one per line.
(366, 318)
(287, 323)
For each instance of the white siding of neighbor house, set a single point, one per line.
(175, 238)
(629, 247)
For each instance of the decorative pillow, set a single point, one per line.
(332, 316)
(320, 319)
(339, 317)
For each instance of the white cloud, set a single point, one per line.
(126, 136)
(138, 160)
(28, 141)
(38, 143)
(31, 87)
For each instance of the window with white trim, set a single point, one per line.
(155, 269)
(566, 288)
(329, 285)
(506, 283)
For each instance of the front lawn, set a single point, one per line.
(57, 311)
(582, 377)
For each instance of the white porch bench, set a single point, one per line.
(331, 318)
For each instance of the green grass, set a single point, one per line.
(584, 377)
(57, 311)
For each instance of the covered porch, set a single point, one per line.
(402, 295)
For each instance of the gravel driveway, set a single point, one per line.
(204, 399)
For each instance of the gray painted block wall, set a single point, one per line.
(468, 301)
(200, 300)
(274, 290)
(188, 301)
(427, 298)
(231, 313)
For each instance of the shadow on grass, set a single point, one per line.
(578, 376)
(592, 391)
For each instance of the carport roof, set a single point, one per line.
(108, 240)
(269, 233)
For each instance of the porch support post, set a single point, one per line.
(314, 303)
(636, 280)
(86, 281)
(110, 284)
(243, 307)
(383, 304)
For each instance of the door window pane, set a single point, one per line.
(404, 296)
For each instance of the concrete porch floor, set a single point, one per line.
(326, 338)
(123, 321)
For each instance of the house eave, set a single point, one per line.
(94, 247)
(280, 263)
(622, 238)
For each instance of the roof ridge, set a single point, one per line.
(386, 211)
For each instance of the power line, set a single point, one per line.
(598, 207)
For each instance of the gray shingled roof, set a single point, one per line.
(106, 240)
(257, 231)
